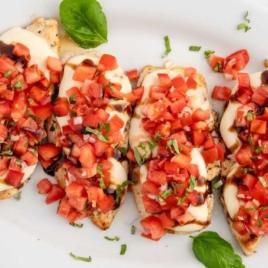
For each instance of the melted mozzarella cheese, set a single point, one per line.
(230, 191)
(39, 48)
(115, 76)
(197, 99)
(230, 137)
(118, 174)
(28, 171)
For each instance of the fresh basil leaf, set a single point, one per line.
(121, 189)
(167, 45)
(97, 133)
(72, 98)
(8, 73)
(105, 126)
(259, 149)
(166, 194)
(218, 68)
(172, 145)
(18, 84)
(213, 251)
(193, 184)
(116, 238)
(140, 159)
(181, 199)
(100, 180)
(251, 144)
(244, 26)
(217, 185)
(84, 21)
(246, 170)
(31, 100)
(123, 249)
(76, 224)
(175, 185)
(250, 115)
(85, 259)
(262, 181)
(259, 223)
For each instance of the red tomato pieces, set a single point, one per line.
(221, 93)
(44, 186)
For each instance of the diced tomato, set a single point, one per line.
(200, 115)
(130, 156)
(6, 94)
(244, 82)
(185, 218)
(193, 170)
(243, 156)
(116, 123)
(178, 82)
(39, 95)
(64, 208)
(156, 110)
(54, 77)
(4, 108)
(138, 92)
(260, 95)
(164, 79)
(107, 63)
(78, 203)
(75, 190)
(211, 155)
(182, 160)
(95, 193)
(198, 137)
(83, 72)
(221, 151)
(14, 164)
(158, 177)
(221, 93)
(43, 112)
(216, 63)
(241, 59)
(151, 206)
(171, 167)
(87, 156)
(177, 106)
(150, 187)
(154, 226)
(176, 212)
(189, 71)
(61, 106)
(166, 220)
(32, 74)
(258, 126)
(48, 151)
(3, 133)
(56, 193)
(157, 92)
(21, 51)
(191, 83)
(209, 142)
(14, 178)
(6, 66)
(73, 216)
(30, 158)
(250, 181)
(264, 143)
(44, 186)
(54, 64)
(132, 74)
(106, 204)
(19, 104)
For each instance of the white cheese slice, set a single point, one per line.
(118, 174)
(230, 137)
(115, 76)
(39, 48)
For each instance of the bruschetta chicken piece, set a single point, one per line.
(25, 100)
(244, 131)
(176, 149)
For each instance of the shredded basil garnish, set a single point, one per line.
(262, 181)
(133, 229)
(72, 98)
(217, 185)
(85, 259)
(167, 45)
(8, 73)
(17, 196)
(101, 182)
(76, 224)
(123, 249)
(122, 150)
(97, 133)
(172, 145)
(208, 53)
(121, 189)
(194, 48)
(116, 238)
(244, 26)
(250, 115)
(218, 67)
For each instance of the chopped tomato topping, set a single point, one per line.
(107, 62)
(132, 74)
(56, 193)
(221, 93)
(44, 186)
(54, 64)
(154, 226)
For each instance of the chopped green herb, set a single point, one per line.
(26, 143)
(101, 182)
(8, 73)
(133, 229)
(85, 259)
(76, 224)
(123, 249)
(110, 87)
(8, 150)
(105, 126)
(122, 150)
(218, 67)
(262, 181)
(35, 118)
(17, 196)
(175, 185)
(73, 114)
(193, 184)
(172, 145)
(208, 53)
(250, 141)
(116, 238)
(31, 100)
(166, 194)
(97, 133)
(194, 48)
(121, 188)
(250, 115)
(217, 185)
(18, 85)
(244, 26)
(140, 159)
(246, 170)
(181, 199)
(167, 45)
(259, 223)
(12, 123)
(72, 98)
(245, 17)
(18, 162)
(258, 208)
(259, 149)
(153, 142)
